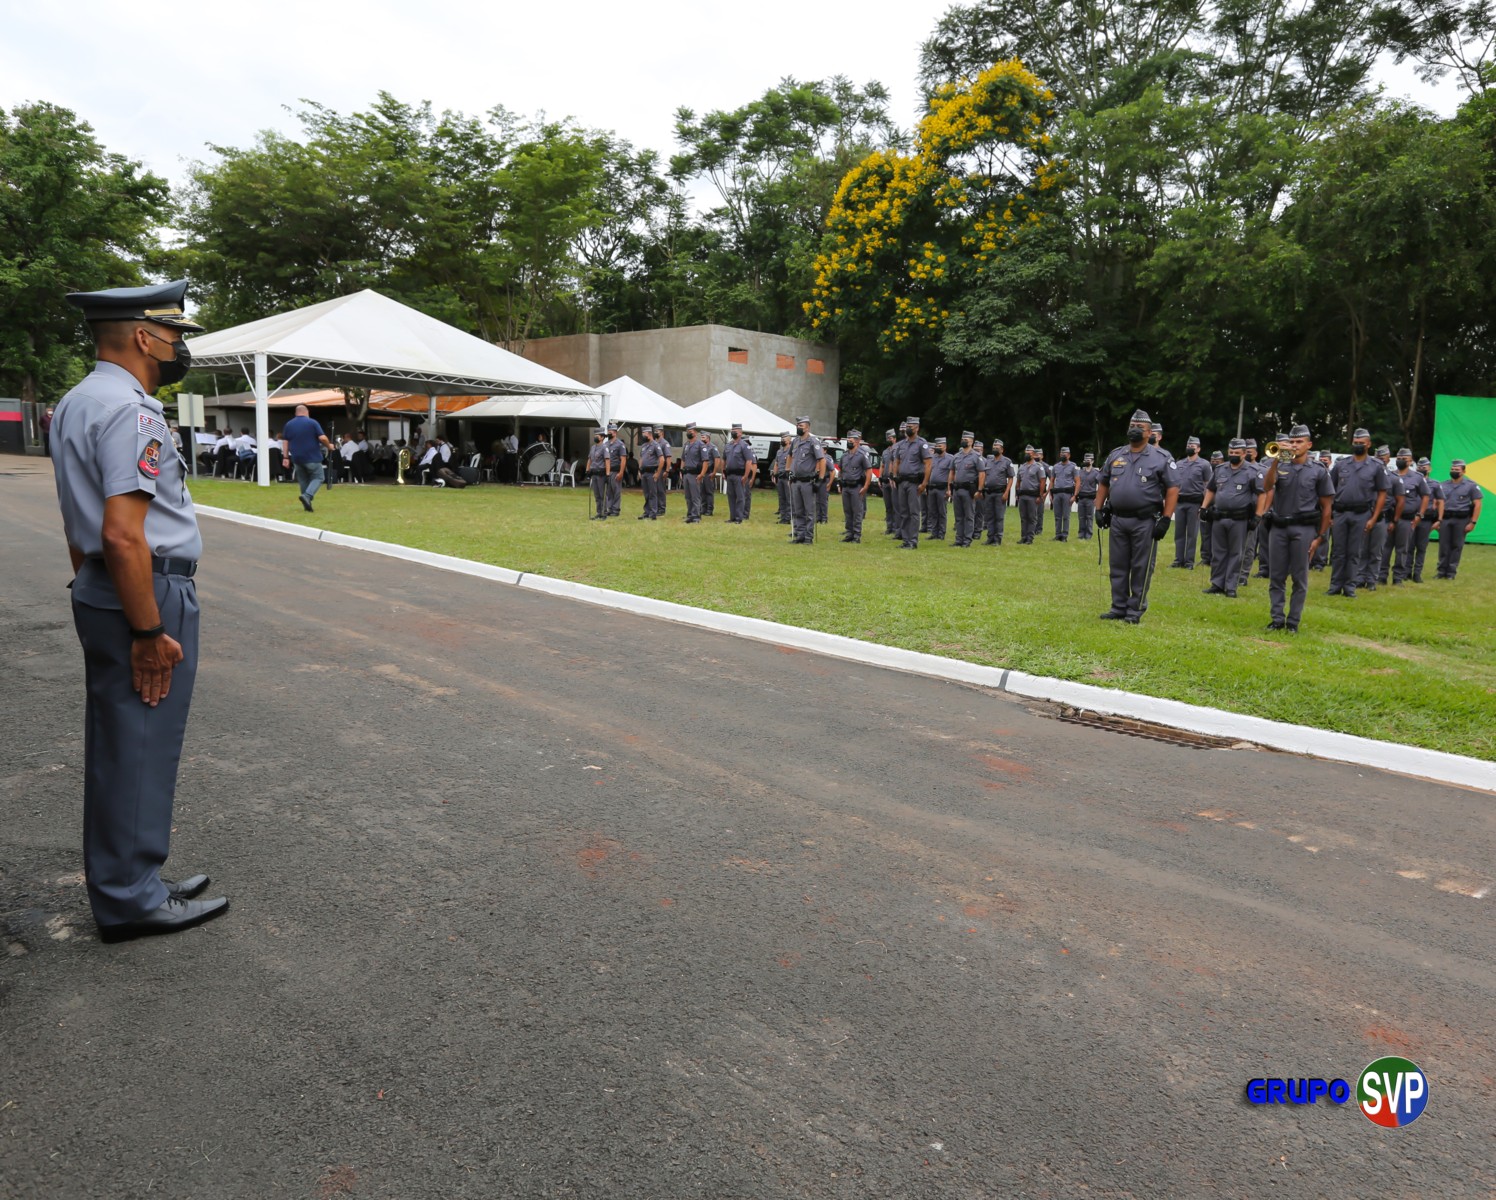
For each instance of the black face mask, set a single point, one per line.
(1235, 460)
(1455, 474)
(1193, 452)
(1136, 436)
(1153, 439)
(1361, 449)
(1403, 463)
(1064, 458)
(173, 370)
(966, 443)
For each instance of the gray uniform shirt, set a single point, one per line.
(1031, 477)
(1460, 495)
(739, 455)
(614, 452)
(690, 456)
(597, 459)
(649, 455)
(854, 465)
(964, 466)
(1089, 478)
(940, 468)
(1415, 487)
(1357, 483)
(1000, 469)
(1063, 476)
(1299, 488)
(1236, 489)
(1193, 475)
(805, 451)
(911, 454)
(110, 439)
(782, 460)
(1139, 481)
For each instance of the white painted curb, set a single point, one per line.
(1296, 739)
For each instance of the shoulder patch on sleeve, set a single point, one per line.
(150, 458)
(151, 426)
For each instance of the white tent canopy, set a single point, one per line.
(727, 408)
(369, 340)
(629, 402)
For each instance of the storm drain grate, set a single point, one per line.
(1143, 729)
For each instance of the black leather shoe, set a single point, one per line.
(1132, 620)
(188, 888)
(1275, 627)
(1112, 616)
(172, 917)
(306, 504)
(1212, 590)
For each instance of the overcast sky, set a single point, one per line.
(160, 83)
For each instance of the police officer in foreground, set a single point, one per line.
(1064, 487)
(1137, 495)
(1217, 461)
(1462, 500)
(893, 524)
(1299, 492)
(738, 463)
(1230, 509)
(779, 472)
(807, 468)
(1360, 492)
(133, 539)
(1033, 478)
(691, 468)
(855, 477)
(662, 472)
(1195, 475)
(912, 473)
(979, 501)
(966, 467)
(597, 475)
(711, 468)
(1085, 496)
(1376, 540)
(649, 466)
(1256, 538)
(996, 490)
(615, 457)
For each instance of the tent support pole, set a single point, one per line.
(431, 415)
(262, 422)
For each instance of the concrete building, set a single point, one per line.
(787, 376)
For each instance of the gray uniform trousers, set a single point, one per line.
(854, 508)
(997, 516)
(615, 495)
(909, 510)
(131, 752)
(1288, 557)
(1131, 553)
(1451, 545)
(1062, 505)
(735, 497)
(747, 498)
(935, 494)
(709, 496)
(1347, 550)
(1376, 542)
(1028, 515)
(1255, 538)
(892, 518)
(646, 485)
(823, 501)
(803, 508)
(599, 486)
(782, 487)
(1420, 544)
(1228, 536)
(693, 496)
(1085, 506)
(1207, 540)
(1403, 543)
(961, 500)
(1186, 530)
(1385, 544)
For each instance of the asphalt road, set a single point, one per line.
(531, 899)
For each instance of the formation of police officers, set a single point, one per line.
(1363, 517)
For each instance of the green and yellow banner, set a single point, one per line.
(1465, 427)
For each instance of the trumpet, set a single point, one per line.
(1279, 450)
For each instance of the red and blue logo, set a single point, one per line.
(1392, 1092)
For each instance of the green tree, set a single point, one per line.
(73, 217)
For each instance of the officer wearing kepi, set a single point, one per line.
(1194, 475)
(912, 471)
(1231, 508)
(892, 522)
(855, 477)
(780, 473)
(133, 539)
(1300, 492)
(1033, 478)
(1085, 496)
(807, 469)
(1431, 518)
(737, 463)
(1462, 500)
(649, 465)
(1360, 492)
(938, 494)
(997, 488)
(966, 466)
(691, 466)
(1416, 494)
(1137, 495)
(1064, 486)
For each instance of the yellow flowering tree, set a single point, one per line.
(909, 235)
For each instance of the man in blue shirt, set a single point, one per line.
(302, 441)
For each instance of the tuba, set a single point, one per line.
(402, 465)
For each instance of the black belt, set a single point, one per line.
(174, 566)
(1029, 495)
(1241, 515)
(733, 472)
(1086, 496)
(846, 483)
(1353, 508)
(1458, 516)
(964, 487)
(804, 478)
(1200, 499)
(1150, 513)
(1311, 519)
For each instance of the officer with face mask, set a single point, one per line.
(780, 473)
(1462, 501)
(133, 539)
(1137, 495)
(966, 468)
(691, 466)
(1300, 493)
(1431, 518)
(1064, 486)
(996, 491)
(1415, 506)
(597, 474)
(855, 477)
(1231, 505)
(1360, 492)
(1194, 478)
(1217, 461)
(1376, 541)
(893, 518)
(1085, 496)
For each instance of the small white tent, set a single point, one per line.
(629, 402)
(369, 340)
(727, 408)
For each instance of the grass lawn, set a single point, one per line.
(1411, 664)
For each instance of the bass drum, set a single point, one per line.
(538, 461)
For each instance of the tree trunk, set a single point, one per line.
(1417, 372)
